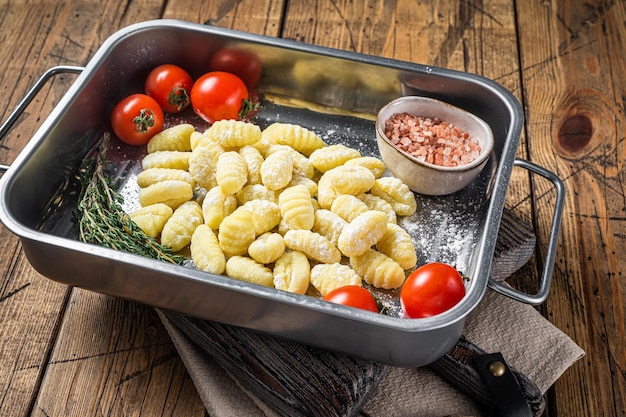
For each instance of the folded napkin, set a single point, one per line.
(528, 341)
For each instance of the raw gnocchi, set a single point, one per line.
(253, 159)
(206, 252)
(313, 245)
(328, 224)
(297, 137)
(292, 272)
(217, 205)
(151, 219)
(375, 165)
(396, 193)
(180, 226)
(170, 192)
(301, 164)
(328, 277)
(267, 248)
(167, 159)
(296, 208)
(233, 133)
(378, 269)
(348, 207)
(230, 172)
(236, 232)
(398, 245)
(277, 207)
(277, 170)
(329, 157)
(202, 165)
(247, 269)
(374, 202)
(175, 138)
(153, 175)
(362, 233)
(265, 215)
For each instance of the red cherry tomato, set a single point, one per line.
(244, 64)
(218, 95)
(431, 289)
(353, 296)
(136, 119)
(169, 85)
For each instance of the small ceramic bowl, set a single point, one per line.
(423, 177)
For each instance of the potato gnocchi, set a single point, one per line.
(362, 233)
(277, 170)
(230, 172)
(277, 207)
(296, 208)
(267, 248)
(233, 133)
(292, 272)
(217, 205)
(153, 175)
(170, 192)
(295, 136)
(179, 228)
(152, 218)
(328, 277)
(167, 159)
(206, 252)
(378, 269)
(175, 138)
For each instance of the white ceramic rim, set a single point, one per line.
(485, 151)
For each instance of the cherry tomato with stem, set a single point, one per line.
(169, 85)
(431, 289)
(243, 63)
(137, 118)
(353, 296)
(218, 95)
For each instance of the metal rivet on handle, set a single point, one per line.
(496, 368)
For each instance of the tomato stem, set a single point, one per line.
(247, 107)
(179, 97)
(144, 121)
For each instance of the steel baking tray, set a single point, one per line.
(334, 93)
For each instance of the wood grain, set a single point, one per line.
(576, 73)
(563, 60)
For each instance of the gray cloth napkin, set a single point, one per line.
(528, 341)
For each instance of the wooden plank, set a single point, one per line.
(31, 306)
(33, 39)
(114, 357)
(261, 17)
(573, 76)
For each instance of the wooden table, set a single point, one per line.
(69, 352)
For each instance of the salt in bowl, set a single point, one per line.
(428, 178)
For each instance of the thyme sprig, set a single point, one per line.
(102, 221)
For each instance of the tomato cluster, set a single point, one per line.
(429, 290)
(221, 93)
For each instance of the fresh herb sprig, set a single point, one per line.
(101, 220)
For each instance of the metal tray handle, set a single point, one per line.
(34, 90)
(546, 275)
